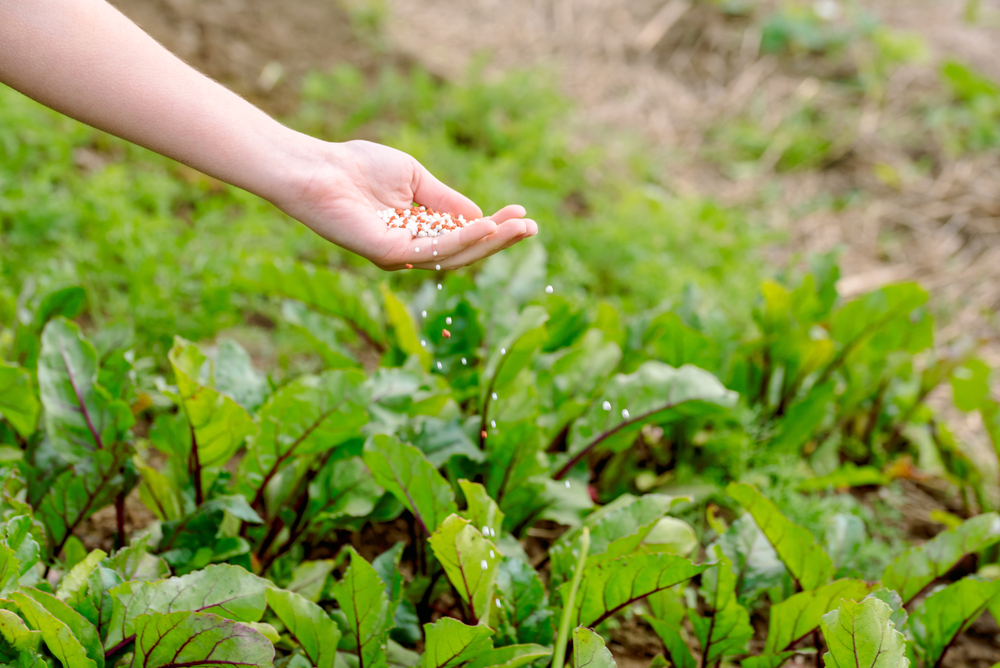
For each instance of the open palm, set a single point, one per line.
(341, 201)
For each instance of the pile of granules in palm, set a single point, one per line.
(423, 222)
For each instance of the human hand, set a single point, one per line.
(340, 197)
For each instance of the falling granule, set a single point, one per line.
(493, 532)
(423, 314)
(606, 405)
(435, 242)
(439, 366)
(492, 555)
(498, 604)
(445, 333)
(625, 413)
(483, 433)
(493, 423)
(417, 249)
(435, 253)
(484, 565)
(548, 289)
(486, 530)
(437, 266)
(503, 351)
(423, 344)
(447, 320)
(567, 484)
(464, 362)
(439, 286)
(494, 396)
(409, 266)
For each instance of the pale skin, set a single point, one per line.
(87, 60)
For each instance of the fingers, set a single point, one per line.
(507, 234)
(430, 192)
(508, 212)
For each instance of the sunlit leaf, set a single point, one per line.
(948, 612)
(589, 650)
(54, 619)
(470, 560)
(727, 631)
(608, 587)
(795, 546)
(450, 643)
(799, 615)
(18, 404)
(919, 566)
(860, 635)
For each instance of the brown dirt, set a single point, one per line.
(247, 43)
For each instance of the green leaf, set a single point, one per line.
(16, 634)
(94, 601)
(160, 496)
(401, 327)
(80, 415)
(616, 530)
(308, 416)
(308, 624)
(9, 570)
(970, 384)
(365, 606)
(470, 560)
(589, 650)
(74, 584)
(218, 423)
(798, 549)
(799, 615)
(948, 612)
(54, 618)
(325, 334)
(677, 649)
(747, 547)
(656, 393)
(387, 567)
(331, 293)
(78, 493)
(404, 471)
(481, 510)
(860, 635)
(728, 630)
(514, 352)
(235, 376)
(441, 440)
(526, 601)
(511, 656)
(309, 578)
(848, 475)
(608, 587)
(450, 643)
(18, 404)
(919, 566)
(198, 640)
(228, 591)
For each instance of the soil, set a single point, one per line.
(666, 70)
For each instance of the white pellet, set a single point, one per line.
(567, 484)
(439, 286)
(494, 396)
(423, 344)
(503, 351)
(548, 289)
(625, 413)
(447, 320)
(463, 361)
(423, 314)
(498, 604)
(437, 266)
(492, 556)
(493, 423)
(486, 530)
(484, 565)
(606, 405)
(439, 366)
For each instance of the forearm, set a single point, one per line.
(87, 60)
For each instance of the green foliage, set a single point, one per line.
(861, 634)
(589, 650)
